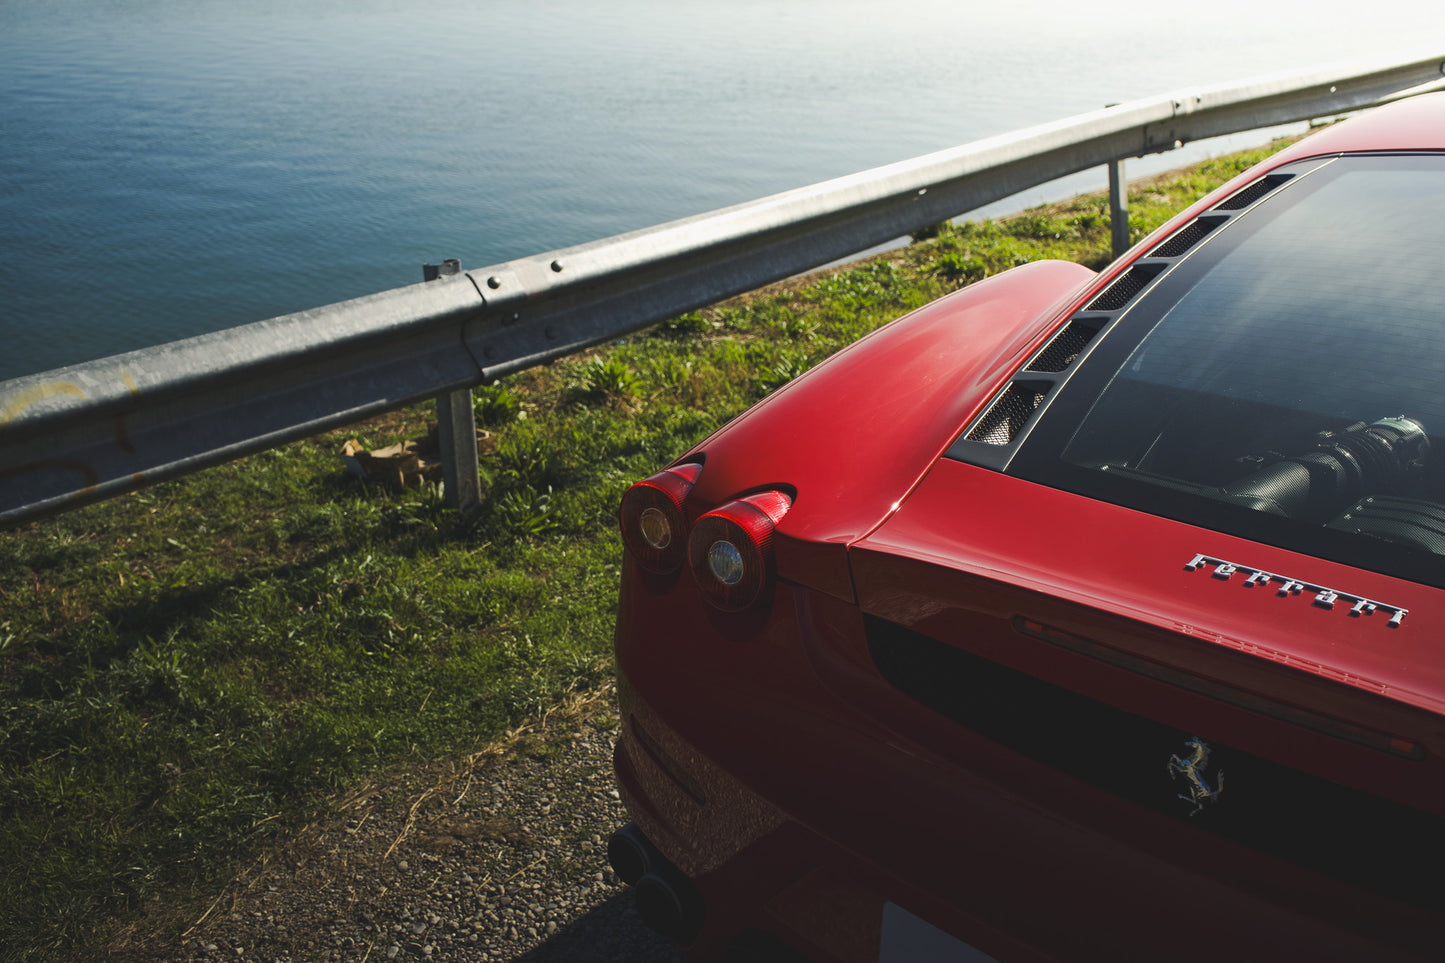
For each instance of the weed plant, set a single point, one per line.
(189, 672)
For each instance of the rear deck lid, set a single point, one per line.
(1232, 685)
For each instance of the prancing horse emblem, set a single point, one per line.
(1192, 767)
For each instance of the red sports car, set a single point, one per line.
(1074, 615)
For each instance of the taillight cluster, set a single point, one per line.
(729, 550)
(653, 523)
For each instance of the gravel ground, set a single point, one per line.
(500, 855)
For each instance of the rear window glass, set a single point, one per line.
(1287, 381)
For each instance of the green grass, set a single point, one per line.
(189, 672)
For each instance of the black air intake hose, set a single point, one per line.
(1344, 465)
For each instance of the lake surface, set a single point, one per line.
(171, 167)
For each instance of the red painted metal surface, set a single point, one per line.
(775, 758)
(1412, 124)
(854, 434)
(975, 548)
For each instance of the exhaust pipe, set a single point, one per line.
(631, 854)
(666, 900)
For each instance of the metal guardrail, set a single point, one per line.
(90, 431)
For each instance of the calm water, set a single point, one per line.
(169, 167)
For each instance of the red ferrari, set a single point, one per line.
(1074, 615)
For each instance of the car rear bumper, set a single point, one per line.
(841, 830)
(769, 887)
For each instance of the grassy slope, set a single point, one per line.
(187, 672)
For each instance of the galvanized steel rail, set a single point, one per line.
(90, 431)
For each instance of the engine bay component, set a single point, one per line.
(1345, 465)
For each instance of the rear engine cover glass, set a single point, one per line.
(1283, 382)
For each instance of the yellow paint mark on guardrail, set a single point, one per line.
(37, 394)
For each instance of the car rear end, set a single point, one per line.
(1110, 658)
(974, 757)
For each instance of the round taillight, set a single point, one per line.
(654, 525)
(730, 550)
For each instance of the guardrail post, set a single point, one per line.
(1118, 206)
(456, 427)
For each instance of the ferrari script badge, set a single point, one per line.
(1285, 586)
(1193, 768)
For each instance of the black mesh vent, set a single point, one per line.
(1007, 416)
(1182, 241)
(1122, 291)
(1061, 352)
(1323, 826)
(1246, 196)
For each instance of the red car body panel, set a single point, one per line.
(851, 454)
(802, 794)
(799, 793)
(1111, 574)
